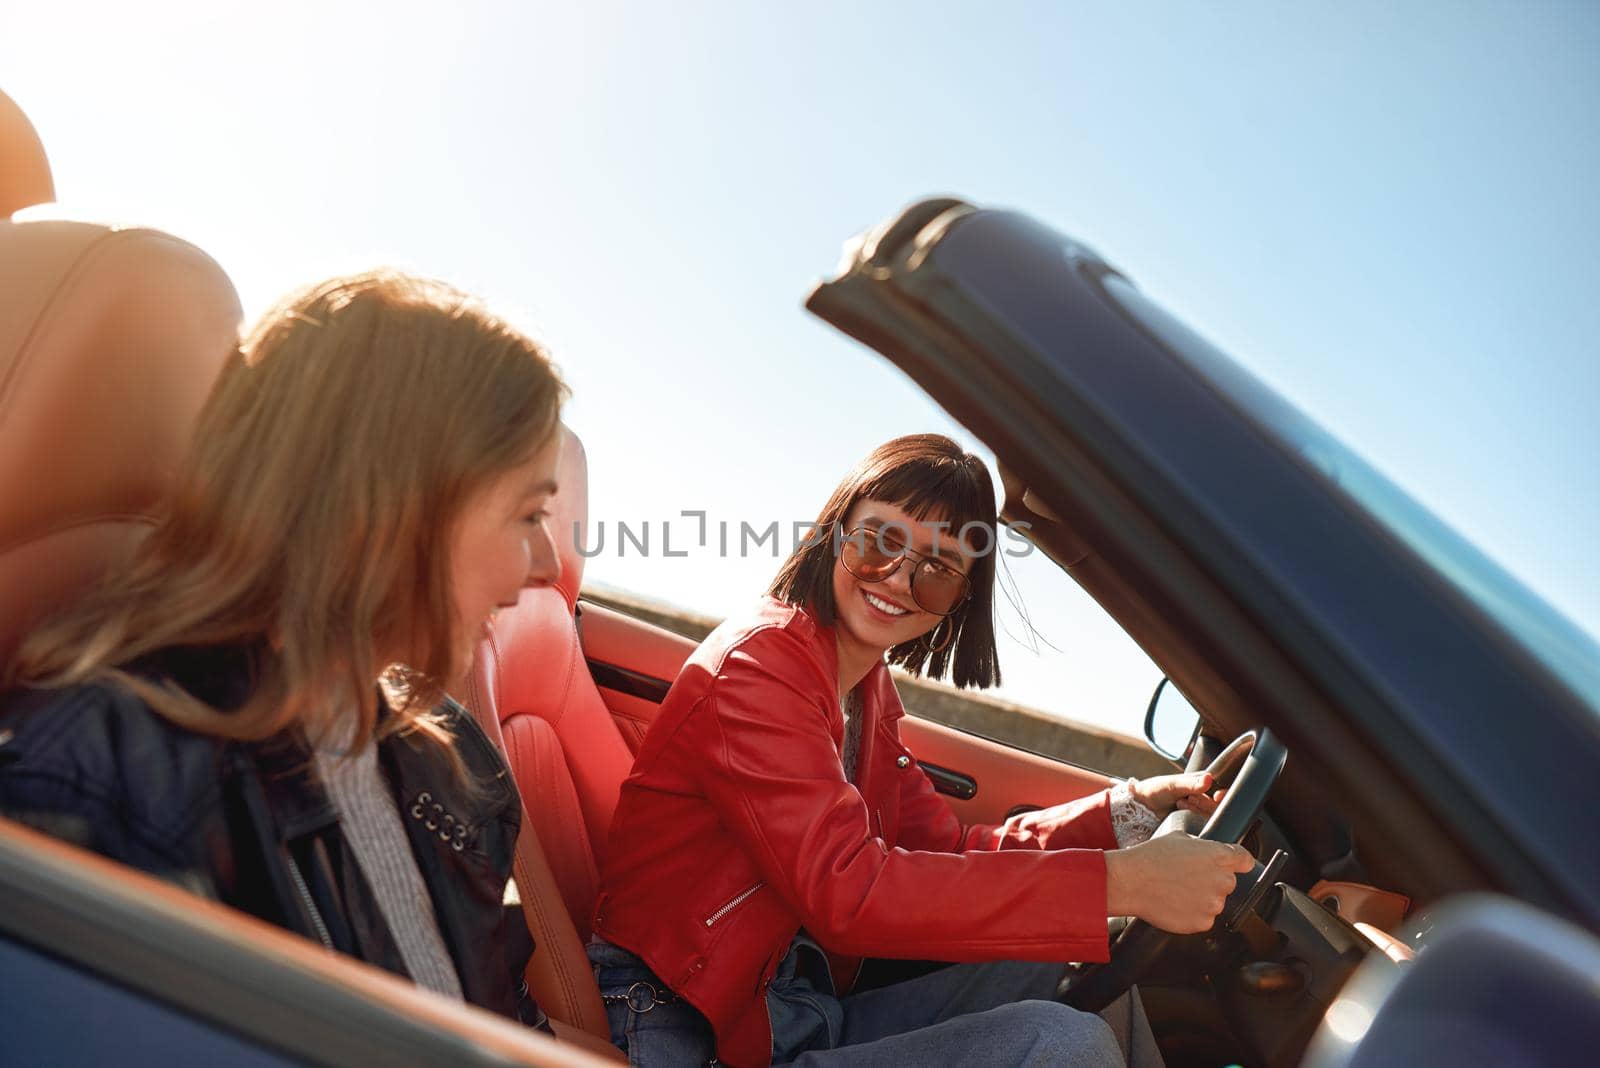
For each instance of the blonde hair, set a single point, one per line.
(312, 516)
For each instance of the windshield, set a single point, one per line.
(1553, 640)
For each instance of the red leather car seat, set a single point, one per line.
(532, 686)
(110, 339)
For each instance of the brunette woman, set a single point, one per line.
(775, 830)
(254, 705)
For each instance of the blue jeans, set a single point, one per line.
(998, 1014)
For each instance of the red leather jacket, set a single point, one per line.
(737, 827)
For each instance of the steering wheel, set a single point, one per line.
(1091, 987)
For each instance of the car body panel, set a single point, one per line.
(224, 971)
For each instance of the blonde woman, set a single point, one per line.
(254, 706)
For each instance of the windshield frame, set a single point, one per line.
(1542, 632)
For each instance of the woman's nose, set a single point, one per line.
(900, 580)
(544, 561)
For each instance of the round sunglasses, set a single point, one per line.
(873, 554)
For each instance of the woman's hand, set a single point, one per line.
(1176, 883)
(1163, 793)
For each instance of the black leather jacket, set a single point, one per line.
(248, 824)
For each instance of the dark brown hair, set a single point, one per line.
(920, 473)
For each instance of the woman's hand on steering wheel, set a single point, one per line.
(1163, 872)
(1162, 793)
(1175, 882)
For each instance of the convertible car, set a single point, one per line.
(1411, 738)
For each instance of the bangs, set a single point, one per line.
(925, 486)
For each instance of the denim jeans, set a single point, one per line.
(665, 1035)
(994, 1014)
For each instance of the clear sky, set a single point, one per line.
(1387, 211)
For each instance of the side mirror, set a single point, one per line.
(1170, 723)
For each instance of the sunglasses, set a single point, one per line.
(873, 554)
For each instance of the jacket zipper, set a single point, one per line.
(305, 899)
(735, 903)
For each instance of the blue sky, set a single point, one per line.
(1386, 211)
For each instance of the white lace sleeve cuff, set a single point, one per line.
(1131, 821)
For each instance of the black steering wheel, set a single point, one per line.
(1259, 758)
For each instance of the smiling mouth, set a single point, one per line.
(883, 606)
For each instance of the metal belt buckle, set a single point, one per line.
(642, 997)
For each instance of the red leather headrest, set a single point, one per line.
(109, 342)
(24, 169)
(569, 514)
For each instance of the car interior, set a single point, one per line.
(109, 339)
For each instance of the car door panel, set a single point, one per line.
(119, 947)
(633, 664)
(1007, 779)
(58, 1014)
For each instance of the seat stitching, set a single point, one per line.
(562, 972)
(547, 932)
(73, 277)
(519, 861)
(574, 654)
(559, 965)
